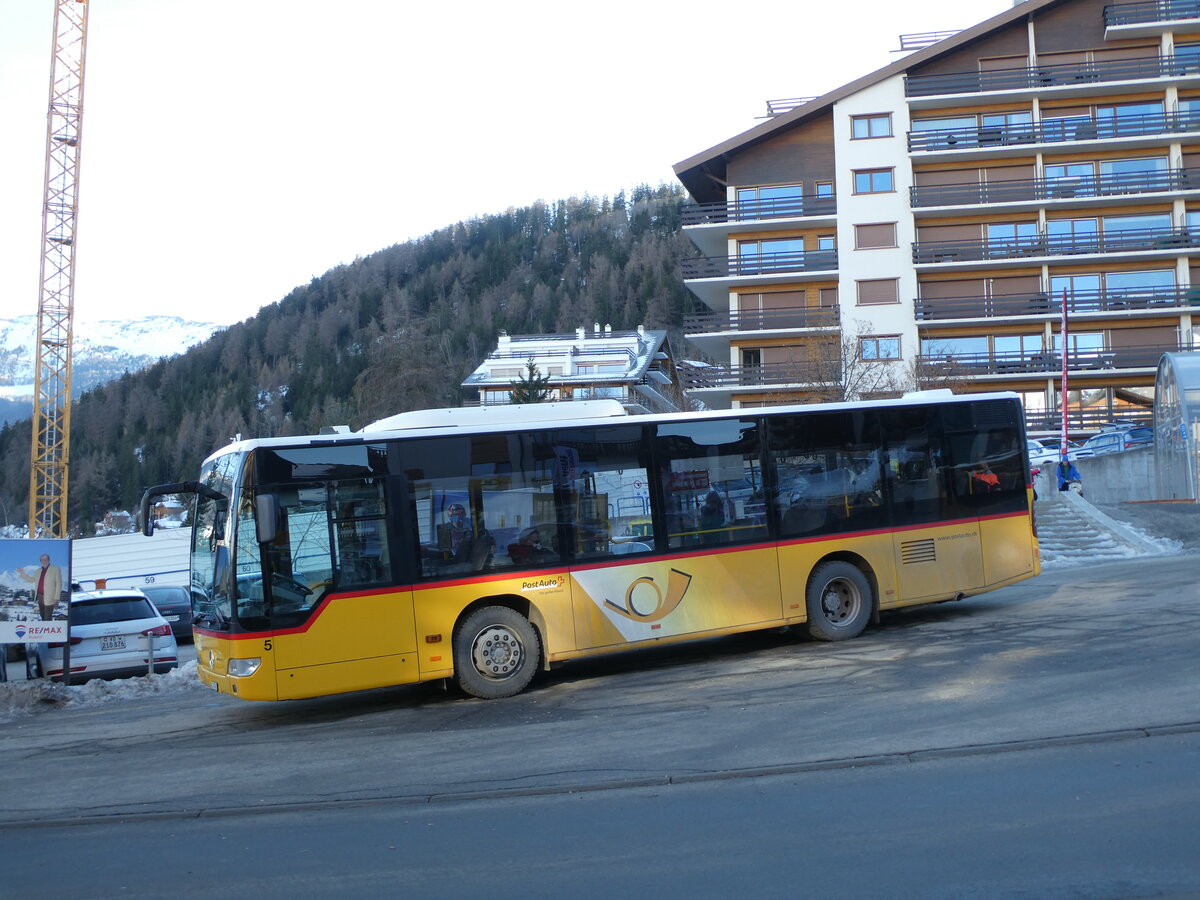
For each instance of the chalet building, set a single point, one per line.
(934, 216)
(633, 367)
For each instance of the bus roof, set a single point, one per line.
(565, 414)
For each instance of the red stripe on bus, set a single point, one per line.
(604, 564)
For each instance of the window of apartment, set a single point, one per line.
(954, 347)
(878, 125)
(826, 242)
(1010, 234)
(1001, 120)
(1152, 221)
(878, 290)
(946, 123)
(828, 297)
(770, 200)
(1017, 345)
(871, 237)
(751, 357)
(824, 190)
(1081, 341)
(879, 347)
(1067, 234)
(778, 255)
(874, 181)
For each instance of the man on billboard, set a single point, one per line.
(49, 586)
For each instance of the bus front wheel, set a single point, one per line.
(839, 602)
(496, 653)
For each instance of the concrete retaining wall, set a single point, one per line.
(1119, 477)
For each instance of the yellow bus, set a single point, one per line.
(484, 545)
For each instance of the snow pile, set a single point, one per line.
(20, 698)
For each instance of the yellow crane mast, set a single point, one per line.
(52, 384)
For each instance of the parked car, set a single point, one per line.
(174, 602)
(1119, 441)
(1046, 452)
(110, 631)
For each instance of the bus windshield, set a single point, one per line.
(211, 595)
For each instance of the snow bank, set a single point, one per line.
(22, 698)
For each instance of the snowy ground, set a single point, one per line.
(22, 698)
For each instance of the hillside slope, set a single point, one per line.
(397, 330)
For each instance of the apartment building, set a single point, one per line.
(930, 220)
(633, 367)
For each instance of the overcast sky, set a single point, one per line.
(234, 149)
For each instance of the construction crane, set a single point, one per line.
(52, 384)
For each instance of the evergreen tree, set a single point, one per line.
(533, 387)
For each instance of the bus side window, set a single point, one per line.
(711, 478)
(602, 482)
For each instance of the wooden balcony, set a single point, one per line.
(1055, 131)
(1150, 11)
(1031, 189)
(762, 320)
(758, 210)
(1047, 362)
(1043, 76)
(1038, 245)
(767, 375)
(1042, 304)
(760, 264)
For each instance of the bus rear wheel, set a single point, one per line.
(496, 653)
(839, 601)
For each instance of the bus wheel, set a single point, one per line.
(496, 652)
(839, 602)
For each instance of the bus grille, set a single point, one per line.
(918, 551)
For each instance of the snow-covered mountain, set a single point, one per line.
(103, 349)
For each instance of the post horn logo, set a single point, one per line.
(644, 587)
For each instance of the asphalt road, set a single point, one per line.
(924, 723)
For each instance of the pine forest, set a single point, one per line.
(399, 329)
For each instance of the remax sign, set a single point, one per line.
(32, 632)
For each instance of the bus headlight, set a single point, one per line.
(240, 668)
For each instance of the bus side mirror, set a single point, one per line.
(266, 516)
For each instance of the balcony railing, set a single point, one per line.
(1054, 131)
(1054, 245)
(762, 320)
(1079, 420)
(1041, 304)
(1151, 11)
(1116, 184)
(752, 210)
(762, 264)
(759, 376)
(1028, 77)
(1017, 362)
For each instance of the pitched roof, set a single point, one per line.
(704, 174)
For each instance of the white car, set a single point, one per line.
(1046, 453)
(111, 635)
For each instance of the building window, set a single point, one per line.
(873, 181)
(872, 237)
(826, 242)
(770, 201)
(878, 290)
(873, 126)
(824, 190)
(879, 348)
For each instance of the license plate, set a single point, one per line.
(171, 618)
(113, 642)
